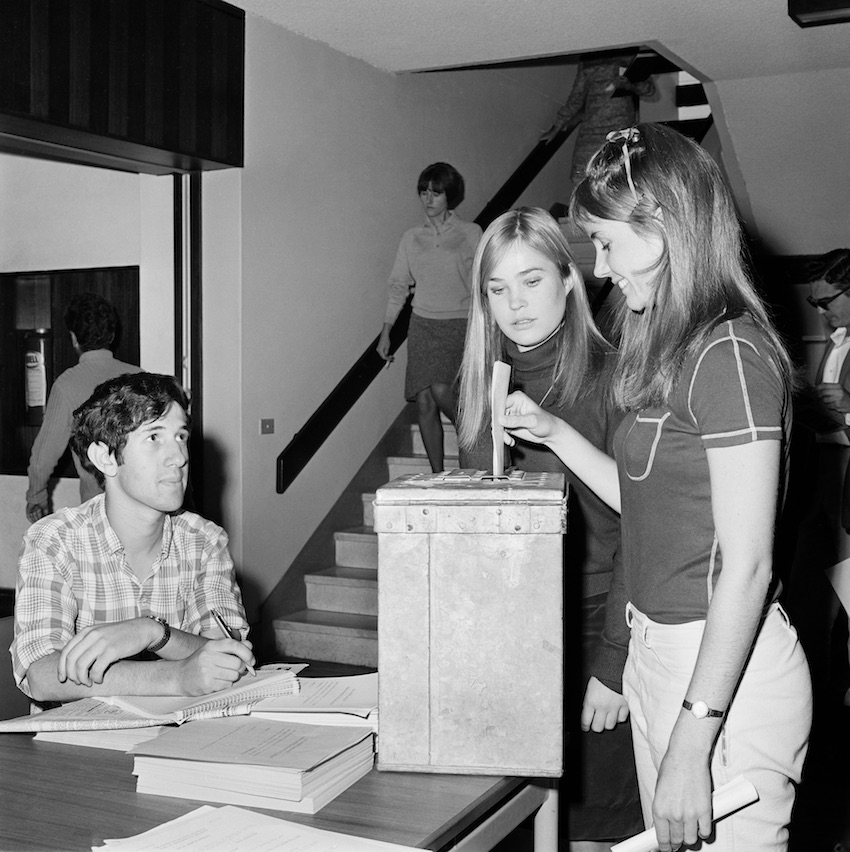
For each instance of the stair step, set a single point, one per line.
(692, 94)
(449, 439)
(333, 637)
(400, 465)
(342, 589)
(356, 547)
(647, 64)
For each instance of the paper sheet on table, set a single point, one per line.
(839, 576)
(499, 384)
(232, 829)
(355, 694)
(730, 797)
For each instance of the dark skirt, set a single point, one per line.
(599, 790)
(434, 353)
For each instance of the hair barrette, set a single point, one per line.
(627, 135)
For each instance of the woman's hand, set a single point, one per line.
(526, 420)
(603, 708)
(682, 807)
(383, 347)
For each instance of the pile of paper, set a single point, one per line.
(348, 700)
(254, 762)
(230, 829)
(116, 739)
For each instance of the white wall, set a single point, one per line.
(785, 141)
(61, 216)
(333, 149)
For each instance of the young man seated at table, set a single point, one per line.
(116, 596)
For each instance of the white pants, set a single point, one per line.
(764, 736)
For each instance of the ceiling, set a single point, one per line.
(714, 39)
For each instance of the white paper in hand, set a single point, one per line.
(736, 794)
(499, 384)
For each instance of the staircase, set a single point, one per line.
(340, 621)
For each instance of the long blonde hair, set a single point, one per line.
(579, 342)
(700, 278)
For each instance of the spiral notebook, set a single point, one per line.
(140, 711)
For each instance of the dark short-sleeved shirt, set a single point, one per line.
(730, 393)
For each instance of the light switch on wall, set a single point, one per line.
(267, 427)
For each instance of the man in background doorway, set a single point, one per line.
(92, 323)
(824, 535)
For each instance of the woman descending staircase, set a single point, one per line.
(340, 622)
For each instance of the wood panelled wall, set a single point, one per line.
(146, 85)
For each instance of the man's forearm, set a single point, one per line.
(126, 677)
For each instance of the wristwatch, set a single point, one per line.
(166, 634)
(701, 710)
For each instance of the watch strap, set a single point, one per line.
(702, 711)
(166, 634)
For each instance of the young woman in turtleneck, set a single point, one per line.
(530, 309)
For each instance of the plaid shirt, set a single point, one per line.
(72, 573)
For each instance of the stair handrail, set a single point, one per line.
(306, 441)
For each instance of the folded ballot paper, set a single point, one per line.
(140, 711)
(254, 762)
(231, 829)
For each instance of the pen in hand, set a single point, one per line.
(229, 633)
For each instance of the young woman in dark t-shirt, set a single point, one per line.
(716, 681)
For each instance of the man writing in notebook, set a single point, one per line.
(116, 596)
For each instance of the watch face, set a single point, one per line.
(700, 709)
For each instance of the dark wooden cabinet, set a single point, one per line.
(153, 86)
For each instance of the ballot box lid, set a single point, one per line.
(472, 501)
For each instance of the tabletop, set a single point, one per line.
(62, 797)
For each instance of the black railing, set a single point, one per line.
(306, 442)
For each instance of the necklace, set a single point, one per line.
(545, 395)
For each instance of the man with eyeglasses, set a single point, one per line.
(832, 301)
(825, 533)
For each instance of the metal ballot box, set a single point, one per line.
(470, 623)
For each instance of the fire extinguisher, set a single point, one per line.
(37, 352)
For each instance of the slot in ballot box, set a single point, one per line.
(470, 623)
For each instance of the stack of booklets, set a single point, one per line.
(346, 700)
(254, 762)
(231, 829)
(90, 721)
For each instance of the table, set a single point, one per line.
(61, 797)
